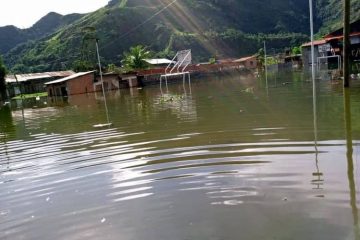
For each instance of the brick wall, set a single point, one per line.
(81, 85)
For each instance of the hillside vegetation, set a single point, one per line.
(211, 28)
(330, 11)
(11, 36)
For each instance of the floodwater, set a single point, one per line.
(228, 157)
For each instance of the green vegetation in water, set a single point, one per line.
(33, 95)
(171, 98)
(271, 61)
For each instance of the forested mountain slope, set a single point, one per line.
(11, 36)
(211, 28)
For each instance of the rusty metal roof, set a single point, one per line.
(35, 76)
(317, 42)
(244, 59)
(75, 75)
(330, 37)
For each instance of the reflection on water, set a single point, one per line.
(350, 162)
(233, 157)
(7, 127)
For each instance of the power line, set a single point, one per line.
(67, 60)
(141, 24)
(147, 20)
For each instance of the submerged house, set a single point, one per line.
(335, 40)
(32, 82)
(115, 81)
(328, 51)
(248, 62)
(111, 82)
(78, 83)
(306, 52)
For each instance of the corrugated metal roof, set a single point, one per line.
(317, 42)
(329, 37)
(69, 77)
(34, 76)
(158, 61)
(244, 59)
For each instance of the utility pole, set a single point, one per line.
(102, 81)
(346, 53)
(312, 41)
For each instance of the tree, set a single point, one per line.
(3, 73)
(261, 56)
(212, 60)
(82, 66)
(20, 68)
(135, 58)
(88, 54)
(296, 50)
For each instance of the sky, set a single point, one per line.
(24, 13)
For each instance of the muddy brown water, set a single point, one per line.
(228, 157)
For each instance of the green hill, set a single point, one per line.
(11, 36)
(330, 12)
(220, 28)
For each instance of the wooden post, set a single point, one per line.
(346, 52)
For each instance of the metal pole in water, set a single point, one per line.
(312, 42)
(313, 67)
(346, 43)
(102, 82)
(189, 83)
(265, 63)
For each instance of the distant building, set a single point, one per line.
(306, 52)
(335, 40)
(248, 62)
(329, 50)
(293, 61)
(111, 82)
(78, 83)
(115, 81)
(32, 82)
(159, 62)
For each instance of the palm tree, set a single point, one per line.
(135, 58)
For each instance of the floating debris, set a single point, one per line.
(103, 220)
(102, 125)
(248, 90)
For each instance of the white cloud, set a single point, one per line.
(24, 13)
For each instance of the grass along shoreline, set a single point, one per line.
(32, 95)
